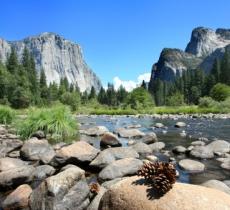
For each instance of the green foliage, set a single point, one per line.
(72, 99)
(175, 100)
(56, 121)
(7, 115)
(140, 98)
(20, 98)
(207, 102)
(220, 92)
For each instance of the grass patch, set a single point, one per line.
(57, 122)
(7, 114)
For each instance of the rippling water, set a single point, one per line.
(196, 127)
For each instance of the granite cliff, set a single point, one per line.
(58, 57)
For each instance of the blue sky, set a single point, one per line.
(120, 38)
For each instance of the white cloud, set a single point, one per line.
(129, 85)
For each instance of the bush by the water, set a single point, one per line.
(207, 102)
(7, 115)
(220, 92)
(58, 122)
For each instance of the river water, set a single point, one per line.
(196, 127)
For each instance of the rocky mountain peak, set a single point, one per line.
(58, 57)
(204, 41)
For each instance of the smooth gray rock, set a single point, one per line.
(79, 152)
(129, 133)
(43, 171)
(34, 149)
(202, 152)
(58, 57)
(157, 146)
(219, 146)
(191, 165)
(120, 168)
(180, 124)
(179, 149)
(39, 135)
(109, 155)
(109, 139)
(159, 125)
(110, 183)
(149, 138)
(226, 165)
(11, 163)
(95, 131)
(216, 184)
(142, 148)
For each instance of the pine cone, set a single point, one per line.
(161, 175)
(162, 184)
(94, 188)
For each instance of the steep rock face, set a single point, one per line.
(204, 47)
(204, 41)
(57, 56)
(172, 63)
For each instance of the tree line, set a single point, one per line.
(21, 86)
(193, 84)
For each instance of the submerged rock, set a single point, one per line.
(132, 194)
(149, 138)
(180, 124)
(157, 146)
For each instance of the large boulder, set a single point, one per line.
(191, 165)
(95, 131)
(11, 163)
(109, 155)
(142, 148)
(120, 168)
(16, 176)
(18, 199)
(130, 194)
(8, 145)
(35, 149)
(129, 133)
(79, 152)
(109, 139)
(216, 184)
(65, 190)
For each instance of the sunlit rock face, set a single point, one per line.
(204, 47)
(57, 56)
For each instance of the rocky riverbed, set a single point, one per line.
(37, 175)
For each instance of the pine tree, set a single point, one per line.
(225, 69)
(122, 95)
(102, 96)
(143, 84)
(111, 95)
(12, 62)
(43, 86)
(92, 94)
(216, 70)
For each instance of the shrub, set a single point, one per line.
(71, 99)
(7, 115)
(220, 92)
(207, 102)
(140, 98)
(175, 100)
(57, 121)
